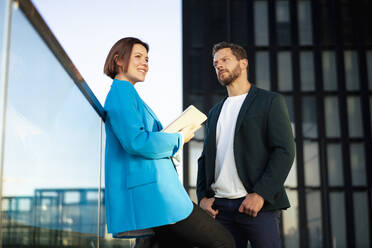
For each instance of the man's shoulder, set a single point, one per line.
(266, 93)
(216, 106)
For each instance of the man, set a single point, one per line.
(248, 152)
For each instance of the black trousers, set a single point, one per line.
(198, 230)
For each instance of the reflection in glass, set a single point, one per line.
(52, 150)
(338, 222)
(195, 150)
(307, 71)
(217, 20)
(369, 69)
(291, 180)
(314, 218)
(261, 23)
(335, 165)
(196, 20)
(351, 70)
(309, 119)
(263, 70)
(332, 116)
(283, 25)
(196, 68)
(354, 116)
(347, 23)
(361, 217)
(325, 19)
(358, 164)
(290, 221)
(304, 22)
(285, 71)
(329, 70)
(239, 22)
(311, 163)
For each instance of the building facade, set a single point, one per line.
(318, 54)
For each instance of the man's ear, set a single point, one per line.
(244, 63)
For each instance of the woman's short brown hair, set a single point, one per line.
(121, 51)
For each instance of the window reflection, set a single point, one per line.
(369, 69)
(351, 70)
(307, 71)
(332, 116)
(329, 70)
(52, 150)
(261, 23)
(309, 119)
(361, 217)
(239, 30)
(290, 106)
(285, 71)
(263, 70)
(335, 165)
(290, 221)
(311, 163)
(283, 26)
(304, 22)
(354, 116)
(314, 218)
(338, 222)
(326, 21)
(358, 164)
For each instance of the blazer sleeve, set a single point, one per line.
(127, 125)
(281, 144)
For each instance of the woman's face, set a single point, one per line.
(137, 66)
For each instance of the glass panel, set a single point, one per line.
(347, 24)
(369, 68)
(196, 23)
(283, 25)
(311, 163)
(261, 23)
(329, 70)
(217, 20)
(196, 70)
(285, 71)
(290, 106)
(338, 222)
(239, 22)
(52, 149)
(327, 31)
(195, 150)
(332, 116)
(290, 221)
(361, 217)
(304, 22)
(291, 180)
(358, 164)
(263, 70)
(354, 116)
(351, 70)
(307, 71)
(309, 120)
(335, 165)
(314, 218)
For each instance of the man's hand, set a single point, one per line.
(206, 204)
(252, 204)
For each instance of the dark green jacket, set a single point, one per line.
(263, 148)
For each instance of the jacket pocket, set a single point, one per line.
(141, 176)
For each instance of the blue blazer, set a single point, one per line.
(142, 189)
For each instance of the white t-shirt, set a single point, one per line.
(227, 182)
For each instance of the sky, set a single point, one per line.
(87, 29)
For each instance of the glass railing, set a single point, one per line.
(53, 143)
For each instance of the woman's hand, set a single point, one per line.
(188, 132)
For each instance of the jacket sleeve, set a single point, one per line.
(201, 182)
(128, 126)
(281, 145)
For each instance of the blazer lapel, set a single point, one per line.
(245, 106)
(160, 126)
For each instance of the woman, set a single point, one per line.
(143, 193)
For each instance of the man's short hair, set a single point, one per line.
(238, 51)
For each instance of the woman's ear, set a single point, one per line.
(117, 60)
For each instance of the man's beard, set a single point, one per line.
(231, 77)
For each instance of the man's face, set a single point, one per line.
(227, 66)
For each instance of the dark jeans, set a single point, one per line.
(198, 230)
(261, 231)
